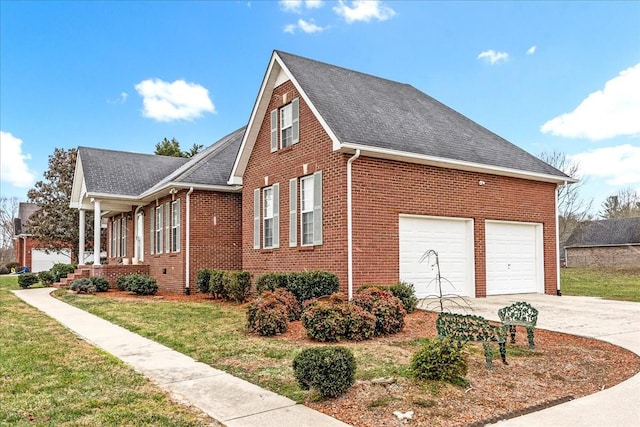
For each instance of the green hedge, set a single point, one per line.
(140, 284)
(27, 279)
(303, 285)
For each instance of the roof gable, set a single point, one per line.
(392, 120)
(609, 232)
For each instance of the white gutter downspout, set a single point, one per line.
(187, 269)
(558, 291)
(350, 227)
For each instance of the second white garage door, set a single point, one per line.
(452, 238)
(514, 258)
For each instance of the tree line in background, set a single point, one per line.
(56, 224)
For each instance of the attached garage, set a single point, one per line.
(514, 257)
(43, 261)
(452, 239)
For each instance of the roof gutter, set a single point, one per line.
(404, 156)
(350, 225)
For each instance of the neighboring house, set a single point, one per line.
(29, 251)
(605, 243)
(338, 171)
(166, 216)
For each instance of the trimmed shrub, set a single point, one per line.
(13, 264)
(141, 284)
(203, 279)
(4, 270)
(360, 324)
(61, 270)
(325, 320)
(238, 285)
(100, 283)
(46, 278)
(404, 291)
(83, 286)
(122, 283)
(385, 307)
(267, 316)
(329, 370)
(442, 360)
(218, 284)
(291, 304)
(271, 282)
(27, 279)
(312, 284)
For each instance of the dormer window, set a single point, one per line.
(285, 125)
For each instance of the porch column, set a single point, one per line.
(81, 232)
(96, 232)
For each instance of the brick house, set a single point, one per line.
(29, 251)
(166, 216)
(351, 173)
(605, 243)
(341, 171)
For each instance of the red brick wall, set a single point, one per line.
(314, 150)
(112, 272)
(24, 258)
(382, 189)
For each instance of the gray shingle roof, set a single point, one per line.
(210, 167)
(371, 111)
(122, 173)
(623, 231)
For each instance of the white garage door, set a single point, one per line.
(42, 261)
(452, 238)
(514, 258)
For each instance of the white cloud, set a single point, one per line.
(13, 168)
(493, 57)
(532, 50)
(296, 5)
(607, 113)
(180, 100)
(363, 10)
(306, 26)
(120, 99)
(618, 165)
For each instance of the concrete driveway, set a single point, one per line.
(616, 322)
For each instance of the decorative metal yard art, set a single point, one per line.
(519, 314)
(441, 299)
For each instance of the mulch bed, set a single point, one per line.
(562, 367)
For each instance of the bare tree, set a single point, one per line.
(624, 204)
(8, 211)
(572, 209)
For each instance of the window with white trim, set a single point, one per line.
(306, 210)
(158, 230)
(123, 236)
(267, 217)
(285, 125)
(175, 226)
(115, 236)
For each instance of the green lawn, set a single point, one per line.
(612, 284)
(48, 377)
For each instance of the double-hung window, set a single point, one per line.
(266, 217)
(285, 125)
(115, 237)
(158, 230)
(175, 226)
(123, 236)
(306, 210)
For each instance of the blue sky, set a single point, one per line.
(124, 75)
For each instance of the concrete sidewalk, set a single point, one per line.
(616, 322)
(230, 400)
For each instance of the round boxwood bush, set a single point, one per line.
(141, 284)
(46, 278)
(387, 309)
(330, 370)
(122, 282)
(360, 324)
(27, 279)
(202, 279)
(61, 270)
(325, 320)
(100, 283)
(267, 316)
(442, 360)
(83, 286)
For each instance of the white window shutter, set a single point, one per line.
(293, 212)
(295, 123)
(256, 218)
(176, 206)
(276, 215)
(274, 130)
(152, 227)
(317, 208)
